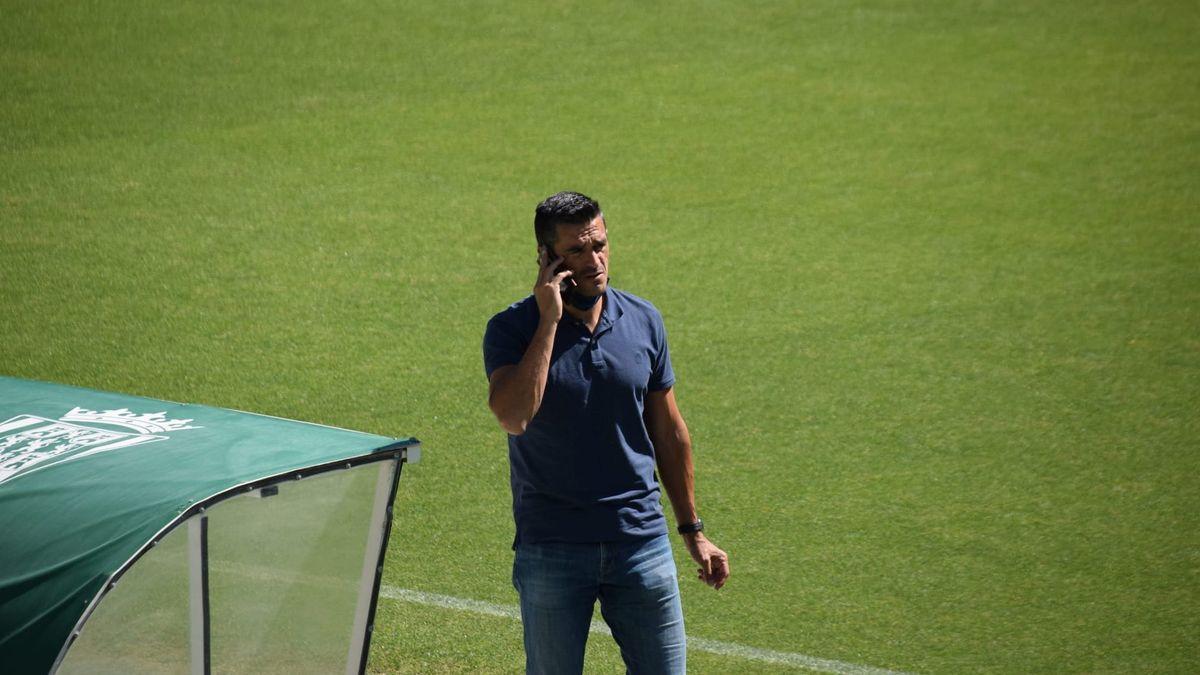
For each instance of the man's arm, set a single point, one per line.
(515, 392)
(673, 449)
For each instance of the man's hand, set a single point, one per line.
(547, 290)
(714, 563)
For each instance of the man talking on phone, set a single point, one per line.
(580, 377)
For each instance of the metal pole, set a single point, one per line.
(198, 593)
(356, 657)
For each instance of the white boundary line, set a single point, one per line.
(730, 649)
(712, 646)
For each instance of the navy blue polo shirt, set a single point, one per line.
(583, 471)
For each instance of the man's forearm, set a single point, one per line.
(673, 448)
(517, 394)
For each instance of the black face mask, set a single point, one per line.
(583, 302)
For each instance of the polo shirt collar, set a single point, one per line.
(611, 312)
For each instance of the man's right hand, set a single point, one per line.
(547, 289)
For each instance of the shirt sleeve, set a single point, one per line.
(662, 376)
(503, 345)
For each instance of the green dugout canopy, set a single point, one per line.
(139, 535)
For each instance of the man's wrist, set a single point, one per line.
(693, 527)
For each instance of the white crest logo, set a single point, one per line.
(29, 443)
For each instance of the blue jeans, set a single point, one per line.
(635, 582)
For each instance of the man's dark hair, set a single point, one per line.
(564, 208)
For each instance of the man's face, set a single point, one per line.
(584, 250)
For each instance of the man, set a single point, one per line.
(580, 377)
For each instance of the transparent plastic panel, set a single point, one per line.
(285, 574)
(141, 625)
(285, 571)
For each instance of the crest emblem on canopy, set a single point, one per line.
(30, 442)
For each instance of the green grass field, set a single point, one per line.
(931, 273)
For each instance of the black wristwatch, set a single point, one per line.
(692, 528)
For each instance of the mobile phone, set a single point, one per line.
(566, 285)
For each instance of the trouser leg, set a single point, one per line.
(639, 598)
(557, 584)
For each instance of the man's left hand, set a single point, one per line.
(713, 562)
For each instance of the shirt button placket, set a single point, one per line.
(594, 351)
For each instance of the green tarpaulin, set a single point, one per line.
(91, 481)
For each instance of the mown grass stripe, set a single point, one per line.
(712, 646)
